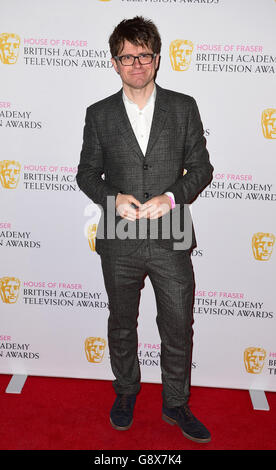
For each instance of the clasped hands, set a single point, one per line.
(130, 208)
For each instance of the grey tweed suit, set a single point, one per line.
(110, 148)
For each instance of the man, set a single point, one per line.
(148, 143)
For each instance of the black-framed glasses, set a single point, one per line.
(129, 59)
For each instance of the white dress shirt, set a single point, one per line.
(140, 120)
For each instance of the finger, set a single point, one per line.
(144, 208)
(145, 213)
(154, 214)
(129, 213)
(132, 211)
(133, 200)
(131, 219)
(126, 208)
(160, 210)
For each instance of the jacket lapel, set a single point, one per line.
(158, 121)
(159, 117)
(125, 127)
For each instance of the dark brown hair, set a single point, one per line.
(138, 31)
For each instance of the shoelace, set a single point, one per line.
(185, 411)
(123, 402)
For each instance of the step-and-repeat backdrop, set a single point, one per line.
(54, 62)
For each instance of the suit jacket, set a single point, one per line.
(111, 162)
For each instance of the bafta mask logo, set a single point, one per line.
(9, 48)
(262, 245)
(9, 289)
(91, 235)
(9, 173)
(94, 349)
(181, 54)
(254, 360)
(269, 123)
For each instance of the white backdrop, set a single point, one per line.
(54, 63)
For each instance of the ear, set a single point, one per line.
(157, 61)
(115, 65)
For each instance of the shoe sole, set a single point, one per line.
(120, 428)
(172, 422)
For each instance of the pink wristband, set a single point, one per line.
(172, 201)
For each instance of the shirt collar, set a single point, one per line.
(150, 101)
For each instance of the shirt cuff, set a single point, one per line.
(171, 196)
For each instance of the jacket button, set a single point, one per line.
(146, 167)
(146, 195)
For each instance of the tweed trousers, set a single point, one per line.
(172, 277)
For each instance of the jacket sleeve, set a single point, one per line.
(196, 161)
(91, 167)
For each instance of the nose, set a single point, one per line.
(136, 62)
